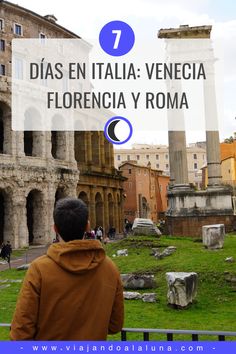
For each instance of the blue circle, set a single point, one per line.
(114, 119)
(116, 38)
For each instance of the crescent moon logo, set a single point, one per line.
(110, 130)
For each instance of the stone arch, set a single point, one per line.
(5, 129)
(83, 196)
(95, 148)
(6, 217)
(111, 210)
(60, 193)
(144, 208)
(33, 140)
(34, 213)
(80, 146)
(99, 209)
(58, 138)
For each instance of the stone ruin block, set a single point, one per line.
(143, 227)
(213, 236)
(149, 297)
(138, 281)
(167, 252)
(132, 295)
(123, 252)
(182, 288)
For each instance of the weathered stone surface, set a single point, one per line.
(167, 252)
(229, 259)
(154, 251)
(231, 278)
(146, 297)
(213, 236)
(23, 267)
(149, 297)
(122, 252)
(10, 281)
(4, 286)
(3, 262)
(145, 227)
(131, 295)
(138, 281)
(182, 288)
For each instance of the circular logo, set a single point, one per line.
(116, 38)
(118, 130)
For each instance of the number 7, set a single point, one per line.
(117, 40)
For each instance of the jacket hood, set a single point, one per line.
(77, 256)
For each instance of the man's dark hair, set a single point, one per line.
(70, 217)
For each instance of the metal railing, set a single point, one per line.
(169, 333)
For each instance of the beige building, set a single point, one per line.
(37, 168)
(158, 157)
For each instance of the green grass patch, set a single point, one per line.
(214, 308)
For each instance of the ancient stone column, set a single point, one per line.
(102, 149)
(88, 147)
(92, 211)
(106, 211)
(111, 155)
(20, 207)
(177, 139)
(116, 212)
(212, 136)
(178, 158)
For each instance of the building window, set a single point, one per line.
(2, 70)
(19, 69)
(195, 166)
(138, 157)
(1, 24)
(2, 45)
(167, 166)
(166, 156)
(147, 157)
(118, 157)
(18, 29)
(157, 165)
(195, 156)
(157, 157)
(130, 171)
(128, 157)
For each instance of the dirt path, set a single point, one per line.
(27, 257)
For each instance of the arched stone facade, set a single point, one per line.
(37, 168)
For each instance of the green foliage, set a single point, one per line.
(214, 308)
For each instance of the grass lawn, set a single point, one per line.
(215, 305)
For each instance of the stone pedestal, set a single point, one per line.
(182, 288)
(213, 236)
(189, 210)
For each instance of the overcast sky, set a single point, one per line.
(146, 17)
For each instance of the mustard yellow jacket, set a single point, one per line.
(72, 293)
